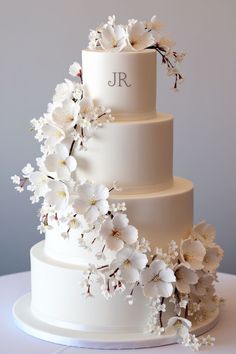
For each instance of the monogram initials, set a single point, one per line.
(119, 77)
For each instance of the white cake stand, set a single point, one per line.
(27, 322)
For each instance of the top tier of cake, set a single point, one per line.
(122, 81)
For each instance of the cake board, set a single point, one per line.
(27, 322)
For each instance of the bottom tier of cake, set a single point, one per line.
(57, 299)
(57, 311)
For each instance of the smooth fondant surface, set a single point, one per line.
(159, 216)
(134, 95)
(136, 154)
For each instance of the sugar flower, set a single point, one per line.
(53, 134)
(61, 162)
(91, 201)
(15, 179)
(180, 326)
(165, 43)
(113, 38)
(154, 24)
(27, 170)
(63, 91)
(192, 253)
(204, 232)
(75, 69)
(204, 284)
(65, 116)
(130, 262)
(184, 278)
(76, 225)
(138, 37)
(157, 280)
(117, 232)
(58, 195)
(93, 39)
(39, 183)
(212, 258)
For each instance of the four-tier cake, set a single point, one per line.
(122, 264)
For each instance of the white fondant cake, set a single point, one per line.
(138, 152)
(151, 268)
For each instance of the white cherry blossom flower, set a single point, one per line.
(157, 280)
(75, 69)
(65, 116)
(63, 91)
(37, 124)
(58, 195)
(111, 20)
(15, 179)
(165, 43)
(77, 225)
(154, 24)
(184, 278)
(138, 37)
(19, 189)
(204, 232)
(204, 285)
(117, 232)
(27, 170)
(53, 134)
(159, 330)
(61, 162)
(91, 201)
(39, 183)
(130, 262)
(192, 253)
(113, 38)
(78, 91)
(212, 258)
(179, 56)
(180, 326)
(93, 39)
(87, 107)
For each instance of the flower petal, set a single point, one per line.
(62, 151)
(63, 172)
(146, 276)
(102, 206)
(71, 163)
(150, 290)
(129, 274)
(114, 243)
(120, 221)
(164, 289)
(51, 162)
(129, 234)
(101, 192)
(139, 260)
(157, 265)
(167, 275)
(86, 191)
(92, 214)
(106, 228)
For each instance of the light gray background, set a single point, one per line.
(40, 39)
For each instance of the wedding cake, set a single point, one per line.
(122, 258)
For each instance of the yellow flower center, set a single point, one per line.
(188, 257)
(61, 194)
(126, 262)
